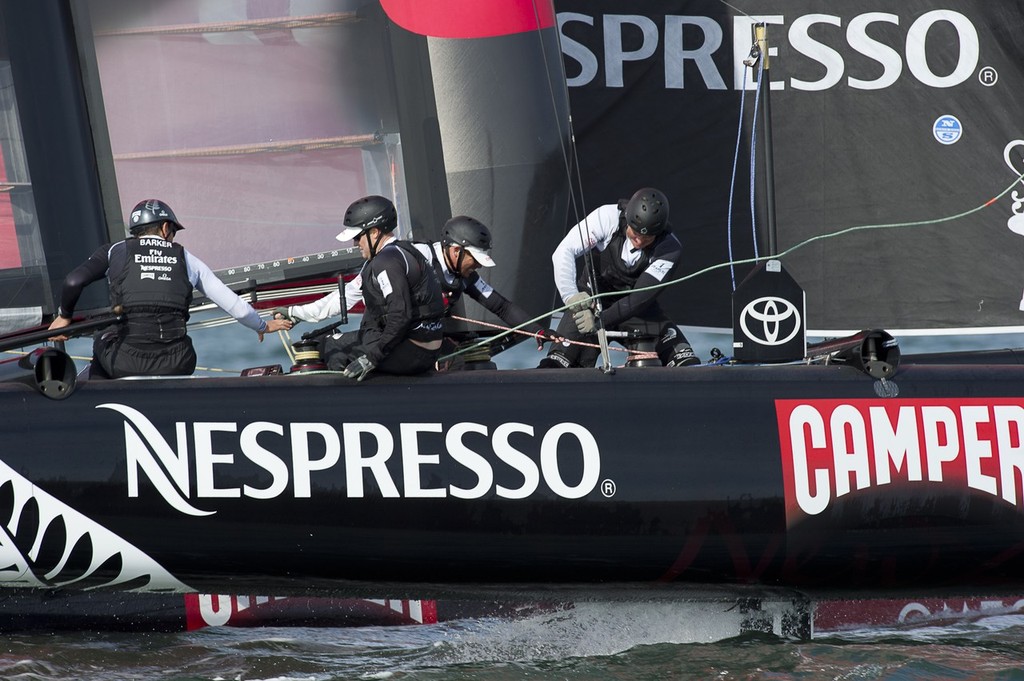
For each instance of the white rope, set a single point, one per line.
(634, 354)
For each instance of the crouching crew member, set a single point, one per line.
(634, 248)
(465, 246)
(400, 332)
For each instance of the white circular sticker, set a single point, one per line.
(947, 129)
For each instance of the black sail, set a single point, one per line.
(881, 117)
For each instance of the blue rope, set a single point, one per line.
(732, 179)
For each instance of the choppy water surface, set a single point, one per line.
(609, 641)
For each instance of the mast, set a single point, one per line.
(765, 82)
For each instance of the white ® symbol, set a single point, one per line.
(608, 487)
(771, 312)
(988, 76)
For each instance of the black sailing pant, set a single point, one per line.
(405, 359)
(672, 347)
(117, 356)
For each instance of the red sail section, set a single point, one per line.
(470, 18)
(10, 256)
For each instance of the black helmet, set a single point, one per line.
(471, 234)
(367, 213)
(647, 212)
(151, 211)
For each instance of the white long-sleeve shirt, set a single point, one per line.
(207, 283)
(594, 232)
(330, 305)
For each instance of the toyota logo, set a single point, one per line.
(777, 319)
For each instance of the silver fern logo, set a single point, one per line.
(46, 543)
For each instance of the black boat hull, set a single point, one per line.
(530, 479)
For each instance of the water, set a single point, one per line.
(627, 641)
(595, 642)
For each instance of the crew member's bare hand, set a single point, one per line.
(275, 325)
(59, 323)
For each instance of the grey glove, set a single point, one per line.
(286, 314)
(578, 301)
(586, 321)
(359, 368)
(580, 305)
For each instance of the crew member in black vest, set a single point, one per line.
(400, 332)
(151, 280)
(465, 247)
(634, 249)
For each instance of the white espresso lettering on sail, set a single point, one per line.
(834, 448)
(264, 460)
(864, 51)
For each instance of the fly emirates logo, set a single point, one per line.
(831, 448)
(286, 459)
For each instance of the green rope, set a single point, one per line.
(747, 261)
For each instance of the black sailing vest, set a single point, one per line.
(427, 301)
(149, 280)
(612, 273)
(450, 292)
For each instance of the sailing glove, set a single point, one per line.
(359, 368)
(578, 301)
(586, 321)
(286, 314)
(580, 305)
(544, 335)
